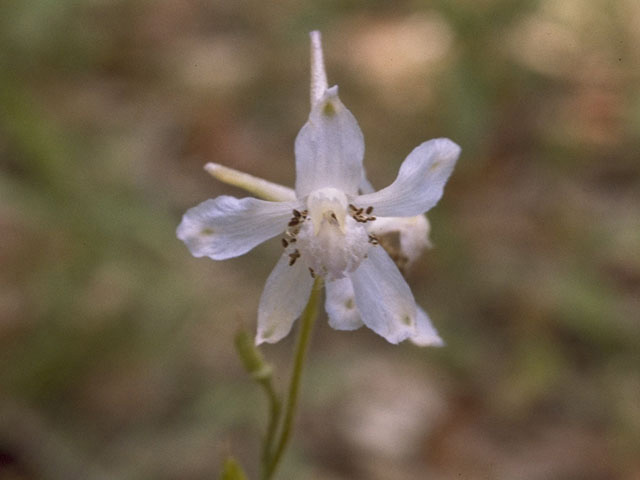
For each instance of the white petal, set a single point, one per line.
(227, 227)
(365, 184)
(329, 148)
(412, 236)
(426, 335)
(383, 297)
(340, 305)
(283, 299)
(420, 181)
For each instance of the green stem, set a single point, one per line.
(262, 373)
(306, 325)
(274, 418)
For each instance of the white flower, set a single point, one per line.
(327, 226)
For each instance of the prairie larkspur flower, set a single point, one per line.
(328, 224)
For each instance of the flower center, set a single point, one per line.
(331, 236)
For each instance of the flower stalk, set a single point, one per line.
(262, 373)
(307, 321)
(274, 445)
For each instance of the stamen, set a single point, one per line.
(294, 221)
(332, 239)
(296, 213)
(293, 257)
(362, 215)
(285, 244)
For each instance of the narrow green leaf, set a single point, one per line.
(251, 357)
(232, 470)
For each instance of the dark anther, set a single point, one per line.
(293, 257)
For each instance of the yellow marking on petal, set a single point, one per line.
(406, 319)
(329, 109)
(349, 304)
(269, 333)
(435, 166)
(207, 231)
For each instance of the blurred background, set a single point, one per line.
(116, 357)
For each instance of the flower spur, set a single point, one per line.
(327, 224)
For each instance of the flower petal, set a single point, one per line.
(329, 148)
(383, 297)
(283, 299)
(426, 335)
(404, 238)
(420, 181)
(340, 305)
(365, 184)
(227, 227)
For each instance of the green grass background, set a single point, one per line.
(116, 358)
